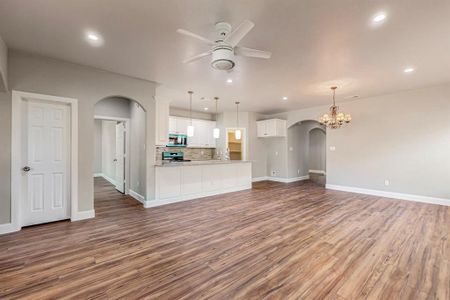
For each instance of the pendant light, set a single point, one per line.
(216, 131)
(237, 133)
(190, 128)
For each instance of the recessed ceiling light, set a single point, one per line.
(205, 108)
(379, 17)
(94, 39)
(285, 98)
(229, 80)
(408, 70)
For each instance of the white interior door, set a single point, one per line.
(120, 157)
(45, 162)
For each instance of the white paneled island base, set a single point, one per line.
(189, 180)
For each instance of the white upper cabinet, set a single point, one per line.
(271, 128)
(162, 122)
(203, 131)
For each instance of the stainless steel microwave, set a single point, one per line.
(177, 140)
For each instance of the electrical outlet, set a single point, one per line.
(276, 153)
(332, 148)
(291, 148)
(387, 182)
(298, 171)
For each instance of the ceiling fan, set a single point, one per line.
(225, 47)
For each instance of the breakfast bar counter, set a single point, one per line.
(185, 180)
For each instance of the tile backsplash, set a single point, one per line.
(189, 153)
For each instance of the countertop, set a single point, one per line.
(198, 163)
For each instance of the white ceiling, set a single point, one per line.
(314, 44)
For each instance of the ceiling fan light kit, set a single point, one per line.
(224, 48)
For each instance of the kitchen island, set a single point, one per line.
(180, 181)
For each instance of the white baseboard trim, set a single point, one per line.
(280, 179)
(112, 181)
(159, 202)
(288, 180)
(137, 196)
(82, 215)
(256, 179)
(317, 172)
(400, 196)
(8, 228)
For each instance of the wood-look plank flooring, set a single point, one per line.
(276, 241)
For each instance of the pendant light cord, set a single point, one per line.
(190, 105)
(237, 114)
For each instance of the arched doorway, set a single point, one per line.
(317, 155)
(119, 149)
(307, 151)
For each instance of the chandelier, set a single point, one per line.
(334, 119)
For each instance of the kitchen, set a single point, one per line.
(190, 161)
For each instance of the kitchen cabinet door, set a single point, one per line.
(172, 125)
(182, 125)
(261, 128)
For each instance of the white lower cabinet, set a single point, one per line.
(178, 183)
(190, 178)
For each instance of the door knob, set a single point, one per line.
(26, 168)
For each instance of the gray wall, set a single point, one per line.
(37, 74)
(113, 107)
(98, 146)
(137, 149)
(298, 146)
(109, 149)
(317, 150)
(403, 137)
(178, 112)
(3, 66)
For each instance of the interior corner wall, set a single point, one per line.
(257, 152)
(37, 74)
(5, 157)
(137, 149)
(98, 146)
(3, 66)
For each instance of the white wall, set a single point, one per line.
(109, 149)
(3, 66)
(97, 146)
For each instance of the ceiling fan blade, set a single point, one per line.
(196, 36)
(243, 51)
(238, 34)
(196, 57)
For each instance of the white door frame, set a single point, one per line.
(243, 139)
(127, 146)
(16, 153)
